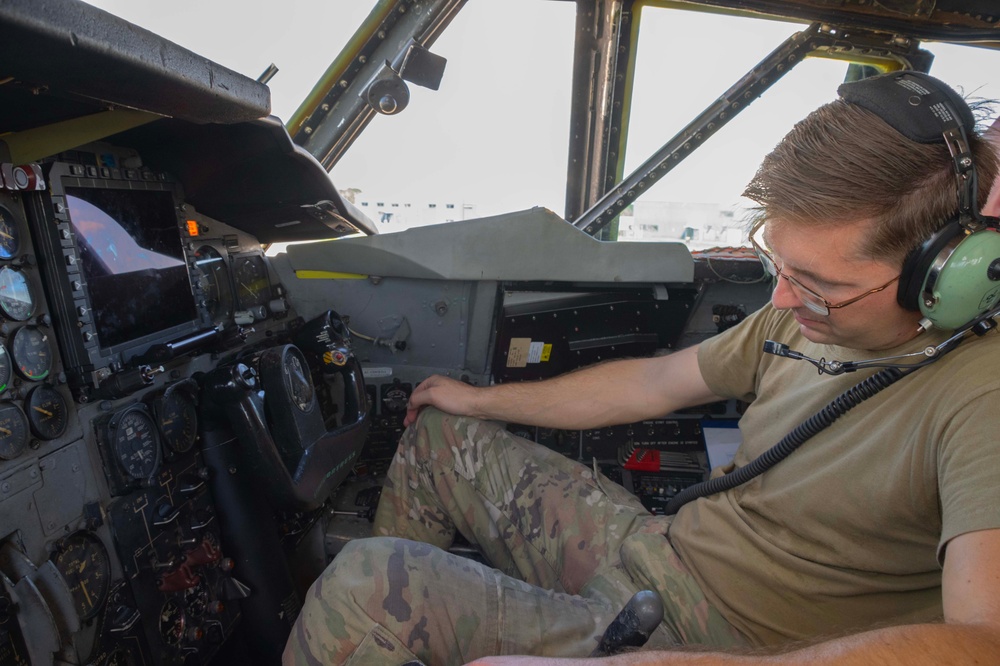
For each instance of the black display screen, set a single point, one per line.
(131, 257)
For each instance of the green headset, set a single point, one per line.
(953, 277)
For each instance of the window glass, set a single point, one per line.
(493, 139)
(700, 202)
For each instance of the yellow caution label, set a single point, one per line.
(546, 352)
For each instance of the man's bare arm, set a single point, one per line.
(970, 633)
(606, 394)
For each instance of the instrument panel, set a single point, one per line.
(115, 296)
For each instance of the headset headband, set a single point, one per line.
(926, 110)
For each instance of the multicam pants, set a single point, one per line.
(569, 546)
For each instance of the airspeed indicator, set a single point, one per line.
(135, 443)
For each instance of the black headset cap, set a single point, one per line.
(915, 104)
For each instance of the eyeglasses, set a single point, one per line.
(809, 298)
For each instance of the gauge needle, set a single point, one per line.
(5, 431)
(83, 565)
(83, 586)
(43, 411)
(5, 235)
(249, 290)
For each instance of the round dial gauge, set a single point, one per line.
(83, 561)
(10, 239)
(16, 300)
(6, 369)
(177, 416)
(214, 282)
(252, 285)
(47, 411)
(13, 431)
(133, 439)
(32, 353)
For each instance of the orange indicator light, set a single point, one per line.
(192, 228)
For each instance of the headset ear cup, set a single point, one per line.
(919, 262)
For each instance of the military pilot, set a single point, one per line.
(876, 541)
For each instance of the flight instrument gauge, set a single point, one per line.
(32, 353)
(47, 411)
(177, 417)
(16, 299)
(83, 561)
(133, 440)
(10, 238)
(253, 289)
(214, 282)
(6, 369)
(13, 431)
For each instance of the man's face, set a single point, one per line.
(827, 261)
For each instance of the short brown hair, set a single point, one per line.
(843, 164)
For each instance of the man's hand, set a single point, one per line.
(605, 394)
(448, 395)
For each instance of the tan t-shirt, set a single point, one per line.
(849, 531)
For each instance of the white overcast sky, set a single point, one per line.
(496, 133)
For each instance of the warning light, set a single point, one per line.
(192, 228)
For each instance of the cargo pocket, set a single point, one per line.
(380, 648)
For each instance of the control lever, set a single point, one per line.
(366, 513)
(127, 382)
(633, 626)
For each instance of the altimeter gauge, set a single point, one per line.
(132, 434)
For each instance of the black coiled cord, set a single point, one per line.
(819, 421)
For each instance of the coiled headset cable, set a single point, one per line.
(823, 419)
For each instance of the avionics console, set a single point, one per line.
(118, 269)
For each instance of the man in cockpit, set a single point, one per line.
(876, 541)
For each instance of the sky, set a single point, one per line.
(496, 134)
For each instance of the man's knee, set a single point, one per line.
(436, 433)
(429, 417)
(335, 617)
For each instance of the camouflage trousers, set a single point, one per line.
(569, 546)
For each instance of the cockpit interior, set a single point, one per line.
(193, 424)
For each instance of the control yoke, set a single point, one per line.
(296, 451)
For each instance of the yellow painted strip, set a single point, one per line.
(328, 275)
(34, 144)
